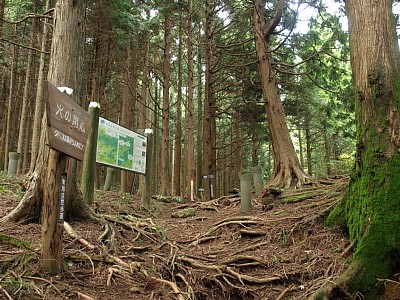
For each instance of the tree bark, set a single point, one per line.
(165, 161)
(178, 143)
(129, 106)
(22, 138)
(39, 93)
(10, 107)
(65, 67)
(209, 162)
(370, 208)
(190, 166)
(287, 170)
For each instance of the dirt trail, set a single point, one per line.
(278, 250)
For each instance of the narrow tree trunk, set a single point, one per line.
(308, 147)
(165, 161)
(199, 138)
(39, 93)
(26, 95)
(287, 170)
(11, 104)
(190, 165)
(178, 144)
(129, 106)
(143, 96)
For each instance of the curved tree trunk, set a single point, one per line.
(287, 170)
(370, 208)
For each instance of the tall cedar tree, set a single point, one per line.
(66, 61)
(287, 170)
(371, 206)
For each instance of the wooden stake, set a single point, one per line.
(53, 213)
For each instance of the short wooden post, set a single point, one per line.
(147, 177)
(89, 159)
(13, 158)
(109, 178)
(258, 182)
(245, 192)
(53, 213)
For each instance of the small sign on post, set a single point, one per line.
(68, 125)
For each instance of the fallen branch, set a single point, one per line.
(283, 293)
(5, 293)
(74, 235)
(83, 296)
(252, 279)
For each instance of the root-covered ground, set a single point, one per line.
(281, 249)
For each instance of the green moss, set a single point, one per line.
(370, 210)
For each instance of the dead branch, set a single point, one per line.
(5, 293)
(83, 296)
(252, 279)
(72, 234)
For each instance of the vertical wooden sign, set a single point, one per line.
(52, 221)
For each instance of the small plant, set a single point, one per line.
(284, 236)
(161, 231)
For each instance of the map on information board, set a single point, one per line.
(120, 147)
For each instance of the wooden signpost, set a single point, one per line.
(68, 125)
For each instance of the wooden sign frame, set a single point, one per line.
(68, 123)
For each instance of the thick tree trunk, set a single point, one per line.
(65, 70)
(287, 170)
(370, 208)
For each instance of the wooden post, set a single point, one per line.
(53, 213)
(147, 177)
(89, 159)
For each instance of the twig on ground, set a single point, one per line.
(5, 293)
(172, 285)
(74, 235)
(83, 296)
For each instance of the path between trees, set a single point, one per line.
(202, 250)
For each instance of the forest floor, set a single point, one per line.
(281, 249)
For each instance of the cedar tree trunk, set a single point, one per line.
(370, 209)
(287, 170)
(66, 61)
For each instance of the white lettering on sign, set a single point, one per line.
(69, 140)
(71, 118)
(62, 199)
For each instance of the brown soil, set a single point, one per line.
(278, 250)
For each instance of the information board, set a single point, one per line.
(120, 147)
